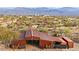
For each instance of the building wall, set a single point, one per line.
(44, 43)
(70, 43)
(17, 43)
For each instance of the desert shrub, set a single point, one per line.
(6, 35)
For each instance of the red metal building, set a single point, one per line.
(43, 40)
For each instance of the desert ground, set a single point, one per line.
(11, 27)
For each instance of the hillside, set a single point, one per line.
(63, 11)
(11, 27)
(54, 25)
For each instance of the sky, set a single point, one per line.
(39, 3)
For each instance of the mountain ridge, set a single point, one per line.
(63, 11)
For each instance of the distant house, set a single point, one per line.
(42, 40)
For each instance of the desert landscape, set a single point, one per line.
(12, 25)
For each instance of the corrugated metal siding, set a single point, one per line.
(43, 43)
(69, 42)
(44, 38)
(41, 35)
(22, 35)
(18, 43)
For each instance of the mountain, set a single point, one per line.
(63, 11)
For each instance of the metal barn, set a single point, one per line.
(42, 40)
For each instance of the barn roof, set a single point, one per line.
(67, 39)
(22, 35)
(43, 36)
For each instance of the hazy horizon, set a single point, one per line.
(38, 7)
